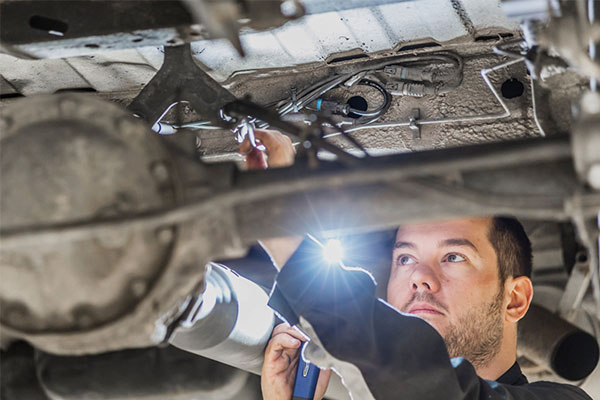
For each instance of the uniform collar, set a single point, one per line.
(513, 376)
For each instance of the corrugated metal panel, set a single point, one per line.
(329, 27)
(370, 26)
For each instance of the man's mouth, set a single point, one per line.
(424, 308)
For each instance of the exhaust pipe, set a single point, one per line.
(232, 323)
(555, 344)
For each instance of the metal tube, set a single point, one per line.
(469, 118)
(232, 324)
(556, 345)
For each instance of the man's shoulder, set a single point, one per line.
(559, 390)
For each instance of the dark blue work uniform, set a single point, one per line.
(399, 355)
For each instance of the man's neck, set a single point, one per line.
(502, 361)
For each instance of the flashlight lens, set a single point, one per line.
(333, 251)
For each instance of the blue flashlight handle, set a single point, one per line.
(306, 380)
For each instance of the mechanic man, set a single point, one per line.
(469, 279)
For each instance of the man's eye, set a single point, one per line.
(406, 260)
(453, 258)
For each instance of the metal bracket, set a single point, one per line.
(413, 123)
(577, 286)
(180, 79)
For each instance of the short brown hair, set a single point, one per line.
(512, 246)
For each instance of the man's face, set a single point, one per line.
(447, 273)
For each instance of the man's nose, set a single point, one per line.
(424, 278)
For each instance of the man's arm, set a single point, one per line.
(282, 352)
(280, 153)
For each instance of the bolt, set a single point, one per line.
(160, 171)
(307, 144)
(165, 235)
(290, 9)
(591, 103)
(138, 287)
(593, 176)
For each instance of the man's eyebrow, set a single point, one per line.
(400, 245)
(459, 242)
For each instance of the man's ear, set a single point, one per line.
(520, 293)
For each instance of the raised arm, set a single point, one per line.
(279, 152)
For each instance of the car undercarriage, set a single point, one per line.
(129, 263)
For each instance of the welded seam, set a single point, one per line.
(80, 74)
(462, 14)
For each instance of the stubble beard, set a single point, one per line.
(477, 336)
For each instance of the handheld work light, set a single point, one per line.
(333, 252)
(307, 374)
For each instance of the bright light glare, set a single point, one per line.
(333, 252)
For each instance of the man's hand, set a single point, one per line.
(281, 362)
(278, 148)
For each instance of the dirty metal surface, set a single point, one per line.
(69, 159)
(180, 79)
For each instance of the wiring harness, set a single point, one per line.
(415, 76)
(407, 75)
